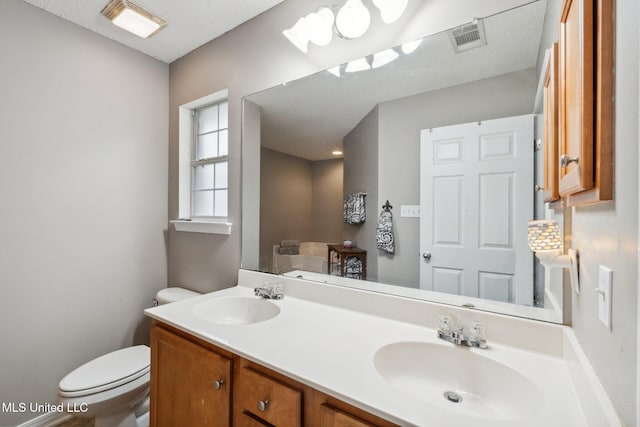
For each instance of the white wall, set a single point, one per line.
(607, 234)
(83, 208)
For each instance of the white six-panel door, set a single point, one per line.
(476, 197)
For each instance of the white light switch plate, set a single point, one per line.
(412, 211)
(605, 280)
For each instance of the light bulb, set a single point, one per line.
(358, 65)
(353, 19)
(320, 26)
(298, 35)
(383, 58)
(410, 47)
(390, 10)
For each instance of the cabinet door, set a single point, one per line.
(190, 384)
(550, 96)
(267, 399)
(577, 97)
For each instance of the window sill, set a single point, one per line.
(203, 226)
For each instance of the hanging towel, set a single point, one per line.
(354, 208)
(384, 232)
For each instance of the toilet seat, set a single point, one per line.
(107, 372)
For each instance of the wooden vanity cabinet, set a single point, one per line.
(586, 69)
(190, 382)
(194, 383)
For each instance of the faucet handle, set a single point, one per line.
(446, 324)
(477, 330)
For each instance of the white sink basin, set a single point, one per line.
(236, 310)
(487, 388)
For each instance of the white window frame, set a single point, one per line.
(185, 222)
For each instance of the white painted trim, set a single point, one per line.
(50, 419)
(537, 102)
(210, 227)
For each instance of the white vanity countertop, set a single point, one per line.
(332, 349)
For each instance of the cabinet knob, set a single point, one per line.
(218, 384)
(263, 405)
(565, 160)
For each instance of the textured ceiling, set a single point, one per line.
(321, 109)
(192, 23)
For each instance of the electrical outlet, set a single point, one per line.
(605, 280)
(411, 211)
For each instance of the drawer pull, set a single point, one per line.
(218, 384)
(263, 405)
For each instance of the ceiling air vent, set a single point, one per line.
(468, 36)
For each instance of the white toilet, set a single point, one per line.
(114, 388)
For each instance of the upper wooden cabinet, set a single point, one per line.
(586, 101)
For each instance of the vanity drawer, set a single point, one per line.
(332, 417)
(267, 398)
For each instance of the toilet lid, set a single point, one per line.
(108, 371)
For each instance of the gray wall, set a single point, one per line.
(255, 56)
(285, 201)
(299, 200)
(83, 205)
(399, 150)
(326, 204)
(361, 175)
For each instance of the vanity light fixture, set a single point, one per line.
(337, 153)
(545, 240)
(133, 18)
(349, 21)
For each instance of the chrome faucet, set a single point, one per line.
(457, 335)
(269, 291)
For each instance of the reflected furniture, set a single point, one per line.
(338, 260)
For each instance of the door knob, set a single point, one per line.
(565, 160)
(426, 255)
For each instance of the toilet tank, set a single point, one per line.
(173, 294)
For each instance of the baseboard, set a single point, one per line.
(50, 419)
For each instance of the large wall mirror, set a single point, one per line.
(339, 138)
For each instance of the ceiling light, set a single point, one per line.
(390, 10)
(133, 18)
(352, 20)
(298, 35)
(358, 65)
(383, 58)
(320, 26)
(410, 47)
